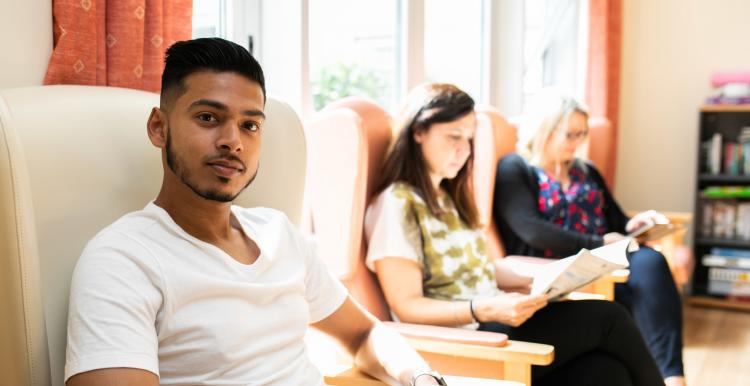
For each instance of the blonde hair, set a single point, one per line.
(542, 119)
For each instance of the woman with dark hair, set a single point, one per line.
(550, 203)
(429, 253)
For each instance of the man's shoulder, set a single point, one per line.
(129, 231)
(261, 215)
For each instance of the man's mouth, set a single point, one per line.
(226, 168)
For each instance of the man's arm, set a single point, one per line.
(376, 349)
(114, 377)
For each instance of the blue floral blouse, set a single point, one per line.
(577, 208)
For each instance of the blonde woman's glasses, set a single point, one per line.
(577, 135)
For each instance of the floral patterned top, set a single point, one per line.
(453, 256)
(577, 208)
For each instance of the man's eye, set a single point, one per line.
(205, 117)
(252, 126)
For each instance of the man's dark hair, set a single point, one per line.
(205, 54)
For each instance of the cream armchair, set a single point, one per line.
(72, 160)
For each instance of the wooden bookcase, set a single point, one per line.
(727, 120)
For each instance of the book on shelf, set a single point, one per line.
(727, 258)
(728, 281)
(571, 273)
(725, 218)
(714, 155)
(730, 156)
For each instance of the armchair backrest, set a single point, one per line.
(347, 142)
(72, 160)
(495, 138)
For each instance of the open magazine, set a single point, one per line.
(654, 231)
(568, 274)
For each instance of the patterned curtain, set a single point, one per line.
(117, 43)
(603, 80)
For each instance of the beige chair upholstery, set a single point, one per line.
(347, 142)
(72, 160)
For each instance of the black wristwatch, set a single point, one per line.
(431, 373)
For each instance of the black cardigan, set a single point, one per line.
(522, 228)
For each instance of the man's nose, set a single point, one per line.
(229, 138)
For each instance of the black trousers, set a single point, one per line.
(652, 298)
(596, 344)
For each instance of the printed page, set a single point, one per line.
(574, 272)
(617, 252)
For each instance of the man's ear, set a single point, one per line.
(157, 127)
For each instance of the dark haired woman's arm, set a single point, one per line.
(515, 204)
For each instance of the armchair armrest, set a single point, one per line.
(678, 254)
(451, 352)
(354, 377)
(449, 334)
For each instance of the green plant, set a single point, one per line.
(342, 80)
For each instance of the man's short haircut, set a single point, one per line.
(206, 54)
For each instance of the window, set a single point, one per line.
(453, 43)
(352, 47)
(554, 46)
(317, 51)
(209, 18)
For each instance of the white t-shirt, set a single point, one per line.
(145, 294)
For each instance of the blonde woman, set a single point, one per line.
(550, 203)
(429, 253)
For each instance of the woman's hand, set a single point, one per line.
(509, 308)
(645, 218)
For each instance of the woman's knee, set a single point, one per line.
(648, 265)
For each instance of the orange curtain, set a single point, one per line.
(603, 80)
(117, 43)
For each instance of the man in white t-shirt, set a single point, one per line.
(191, 290)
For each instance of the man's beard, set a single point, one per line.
(176, 166)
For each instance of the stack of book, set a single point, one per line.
(724, 215)
(721, 155)
(728, 272)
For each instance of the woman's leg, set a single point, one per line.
(576, 328)
(591, 369)
(651, 296)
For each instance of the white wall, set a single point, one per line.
(25, 41)
(670, 48)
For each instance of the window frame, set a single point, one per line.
(501, 71)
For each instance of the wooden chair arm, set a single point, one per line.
(513, 351)
(354, 377)
(449, 334)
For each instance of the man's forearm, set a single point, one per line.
(387, 356)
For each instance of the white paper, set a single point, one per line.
(571, 273)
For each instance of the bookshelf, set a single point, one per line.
(722, 209)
